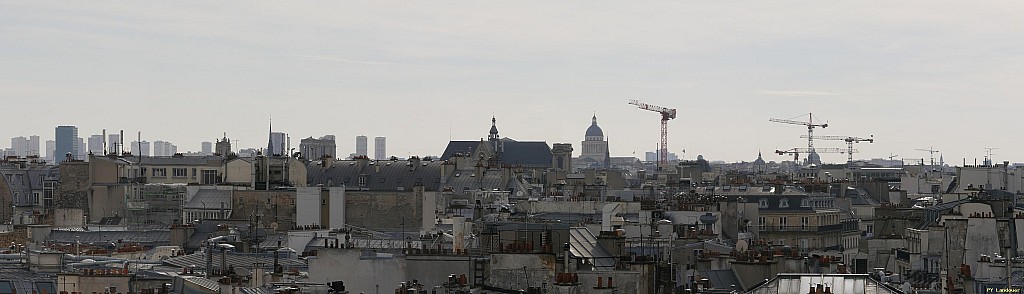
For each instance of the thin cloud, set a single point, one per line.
(798, 93)
(335, 59)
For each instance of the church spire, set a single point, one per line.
(270, 139)
(594, 120)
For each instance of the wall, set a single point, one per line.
(277, 207)
(385, 210)
(375, 274)
(519, 271)
(308, 207)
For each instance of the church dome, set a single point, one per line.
(594, 130)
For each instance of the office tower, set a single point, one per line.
(277, 143)
(66, 143)
(82, 152)
(33, 146)
(51, 147)
(207, 148)
(314, 149)
(380, 148)
(144, 151)
(96, 145)
(162, 148)
(114, 144)
(19, 147)
(361, 146)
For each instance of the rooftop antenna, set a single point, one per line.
(988, 155)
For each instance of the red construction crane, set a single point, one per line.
(849, 142)
(666, 114)
(809, 124)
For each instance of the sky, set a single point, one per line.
(914, 74)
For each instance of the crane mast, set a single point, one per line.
(849, 142)
(810, 127)
(666, 114)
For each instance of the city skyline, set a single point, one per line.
(914, 76)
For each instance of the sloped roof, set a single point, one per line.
(233, 258)
(464, 147)
(840, 284)
(380, 175)
(529, 154)
(210, 199)
(583, 244)
(162, 237)
(469, 181)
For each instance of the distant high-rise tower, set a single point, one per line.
(33, 146)
(361, 146)
(96, 145)
(82, 152)
(380, 150)
(114, 144)
(207, 148)
(66, 143)
(51, 151)
(161, 148)
(140, 151)
(25, 147)
(277, 143)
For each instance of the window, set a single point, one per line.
(160, 172)
(804, 221)
(782, 223)
(763, 203)
(209, 177)
(362, 181)
(179, 172)
(761, 223)
(784, 203)
(193, 173)
(805, 203)
(143, 172)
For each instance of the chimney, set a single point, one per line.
(326, 161)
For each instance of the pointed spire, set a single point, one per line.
(270, 139)
(594, 120)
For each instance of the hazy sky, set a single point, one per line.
(946, 74)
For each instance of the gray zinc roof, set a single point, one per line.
(380, 175)
(209, 199)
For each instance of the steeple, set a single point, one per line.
(494, 130)
(270, 139)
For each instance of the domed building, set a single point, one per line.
(595, 147)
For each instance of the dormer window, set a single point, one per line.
(784, 203)
(805, 203)
(362, 181)
(763, 203)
